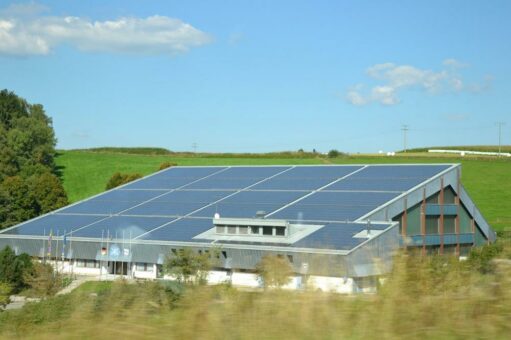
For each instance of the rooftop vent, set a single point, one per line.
(260, 214)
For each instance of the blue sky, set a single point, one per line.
(250, 76)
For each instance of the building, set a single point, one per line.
(338, 225)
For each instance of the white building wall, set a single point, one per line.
(145, 274)
(246, 280)
(218, 277)
(332, 284)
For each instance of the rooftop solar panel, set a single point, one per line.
(334, 236)
(181, 230)
(121, 227)
(153, 208)
(237, 178)
(306, 178)
(56, 223)
(334, 206)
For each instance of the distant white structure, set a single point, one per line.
(462, 153)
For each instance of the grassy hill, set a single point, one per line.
(488, 180)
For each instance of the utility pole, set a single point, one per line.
(194, 146)
(405, 130)
(500, 125)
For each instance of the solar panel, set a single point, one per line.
(306, 178)
(334, 236)
(151, 207)
(112, 202)
(164, 209)
(174, 178)
(182, 230)
(388, 177)
(335, 206)
(121, 227)
(193, 196)
(236, 178)
(56, 223)
(247, 203)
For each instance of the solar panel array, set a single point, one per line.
(179, 203)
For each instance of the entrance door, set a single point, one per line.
(118, 268)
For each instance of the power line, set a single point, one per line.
(405, 129)
(500, 125)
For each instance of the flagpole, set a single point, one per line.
(71, 251)
(101, 254)
(63, 249)
(44, 245)
(107, 251)
(131, 256)
(57, 253)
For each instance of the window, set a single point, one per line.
(144, 267)
(220, 229)
(231, 230)
(80, 263)
(254, 230)
(449, 224)
(267, 231)
(280, 231)
(243, 230)
(290, 258)
(91, 264)
(431, 225)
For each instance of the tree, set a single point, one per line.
(29, 184)
(43, 280)
(333, 153)
(120, 179)
(48, 192)
(5, 292)
(14, 268)
(187, 265)
(17, 201)
(275, 271)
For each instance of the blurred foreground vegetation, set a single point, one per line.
(424, 297)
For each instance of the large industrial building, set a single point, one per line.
(337, 225)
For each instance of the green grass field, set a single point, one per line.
(488, 180)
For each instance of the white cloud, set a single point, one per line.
(395, 78)
(38, 35)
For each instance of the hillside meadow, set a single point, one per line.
(488, 180)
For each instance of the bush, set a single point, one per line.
(187, 265)
(166, 165)
(333, 153)
(120, 179)
(5, 292)
(275, 271)
(481, 258)
(13, 268)
(43, 280)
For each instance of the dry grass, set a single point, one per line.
(423, 298)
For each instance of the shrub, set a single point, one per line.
(333, 153)
(13, 268)
(275, 271)
(166, 165)
(187, 265)
(120, 179)
(43, 280)
(5, 292)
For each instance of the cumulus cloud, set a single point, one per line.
(395, 78)
(34, 34)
